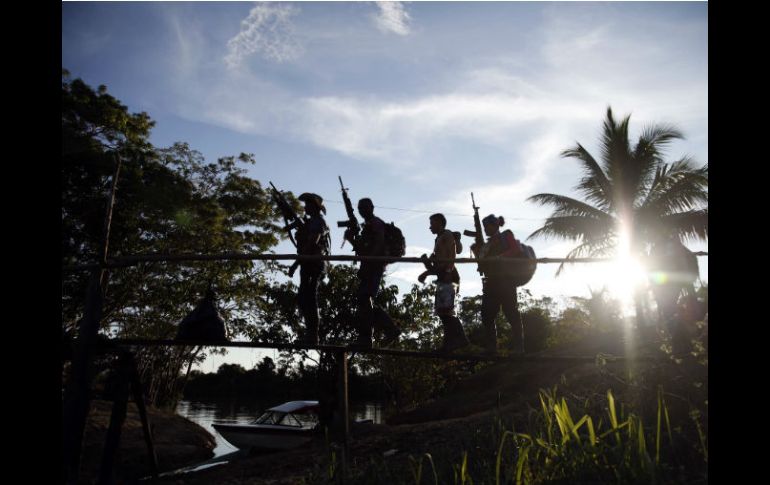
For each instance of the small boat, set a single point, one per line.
(283, 427)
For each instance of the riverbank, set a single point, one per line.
(463, 430)
(178, 442)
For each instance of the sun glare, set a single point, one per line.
(625, 275)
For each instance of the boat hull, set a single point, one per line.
(264, 437)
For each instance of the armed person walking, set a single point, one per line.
(447, 282)
(312, 239)
(499, 287)
(370, 242)
(673, 270)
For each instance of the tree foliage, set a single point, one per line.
(169, 200)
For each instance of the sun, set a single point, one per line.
(625, 275)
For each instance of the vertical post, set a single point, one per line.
(117, 418)
(76, 402)
(108, 218)
(136, 390)
(342, 389)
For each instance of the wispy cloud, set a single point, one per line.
(268, 31)
(400, 132)
(392, 18)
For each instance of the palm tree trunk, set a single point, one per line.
(641, 317)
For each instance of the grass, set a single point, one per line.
(603, 443)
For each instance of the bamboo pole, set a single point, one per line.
(375, 351)
(76, 401)
(127, 261)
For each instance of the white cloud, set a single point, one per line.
(406, 273)
(527, 118)
(400, 132)
(268, 31)
(416, 251)
(392, 18)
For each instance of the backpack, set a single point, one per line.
(522, 274)
(458, 242)
(395, 244)
(529, 253)
(673, 257)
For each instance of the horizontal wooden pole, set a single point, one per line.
(167, 258)
(361, 350)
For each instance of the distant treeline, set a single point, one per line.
(265, 381)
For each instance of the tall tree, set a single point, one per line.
(631, 195)
(169, 200)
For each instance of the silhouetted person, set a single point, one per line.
(371, 242)
(499, 289)
(673, 270)
(312, 239)
(447, 283)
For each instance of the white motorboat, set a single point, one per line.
(283, 427)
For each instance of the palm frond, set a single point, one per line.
(567, 206)
(602, 246)
(692, 224)
(648, 155)
(575, 228)
(614, 143)
(594, 185)
(654, 139)
(618, 163)
(676, 188)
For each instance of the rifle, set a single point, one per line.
(478, 235)
(352, 223)
(290, 219)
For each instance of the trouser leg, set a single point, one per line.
(490, 306)
(365, 320)
(454, 336)
(308, 303)
(510, 304)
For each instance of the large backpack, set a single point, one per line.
(675, 259)
(522, 273)
(395, 244)
(525, 275)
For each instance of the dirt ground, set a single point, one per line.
(178, 442)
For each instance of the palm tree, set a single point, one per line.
(631, 196)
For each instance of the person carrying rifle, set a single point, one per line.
(370, 242)
(499, 289)
(447, 283)
(673, 270)
(312, 239)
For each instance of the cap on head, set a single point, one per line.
(490, 219)
(315, 199)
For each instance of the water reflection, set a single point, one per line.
(204, 413)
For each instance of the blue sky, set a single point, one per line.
(415, 104)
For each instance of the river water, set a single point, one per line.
(205, 413)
